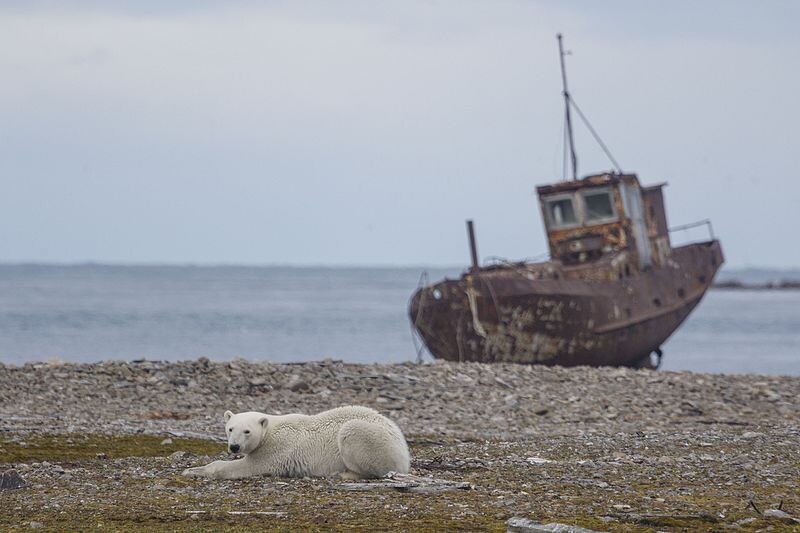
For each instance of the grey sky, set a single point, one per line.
(366, 132)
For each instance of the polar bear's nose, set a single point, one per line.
(234, 448)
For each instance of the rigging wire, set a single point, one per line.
(595, 135)
(568, 103)
(423, 280)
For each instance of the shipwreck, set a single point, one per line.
(613, 290)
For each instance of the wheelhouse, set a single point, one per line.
(604, 213)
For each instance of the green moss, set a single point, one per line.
(310, 509)
(163, 499)
(79, 447)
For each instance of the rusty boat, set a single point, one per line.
(613, 290)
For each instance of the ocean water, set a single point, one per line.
(89, 313)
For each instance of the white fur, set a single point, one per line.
(357, 442)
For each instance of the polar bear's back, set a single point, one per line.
(340, 415)
(325, 422)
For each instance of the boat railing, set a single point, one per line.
(686, 227)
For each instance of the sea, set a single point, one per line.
(92, 312)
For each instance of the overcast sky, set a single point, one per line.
(367, 132)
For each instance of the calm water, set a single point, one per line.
(90, 313)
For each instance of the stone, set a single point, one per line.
(523, 525)
(779, 514)
(179, 456)
(503, 383)
(407, 483)
(538, 460)
(297, 384)
(166, 442)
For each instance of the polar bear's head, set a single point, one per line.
(244, 431)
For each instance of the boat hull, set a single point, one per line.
(550, 314)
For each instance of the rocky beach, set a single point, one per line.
(101, 446)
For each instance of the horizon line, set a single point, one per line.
(332, 265)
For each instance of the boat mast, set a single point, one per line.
(568, 119)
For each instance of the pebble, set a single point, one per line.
(778, 514)
(179, 456)
(297, 384)
(523, 525)
(538, 460)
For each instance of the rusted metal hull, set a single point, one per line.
(609, 313)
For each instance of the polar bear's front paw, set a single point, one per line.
(199, 471)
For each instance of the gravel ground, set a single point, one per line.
(611, 449)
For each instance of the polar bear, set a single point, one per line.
(356, 442)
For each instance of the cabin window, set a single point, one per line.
(561, 212)
(598, 206)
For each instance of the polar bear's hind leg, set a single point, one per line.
(372, 449)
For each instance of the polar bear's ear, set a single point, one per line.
(228, 415)
(263, 421)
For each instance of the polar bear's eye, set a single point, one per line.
(246, 431)
(230, 430)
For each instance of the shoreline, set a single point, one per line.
(581, 394)
(427, 361)
(606, 448)
(735, 284)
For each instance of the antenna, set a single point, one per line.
(568, 103)
(568, 119)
